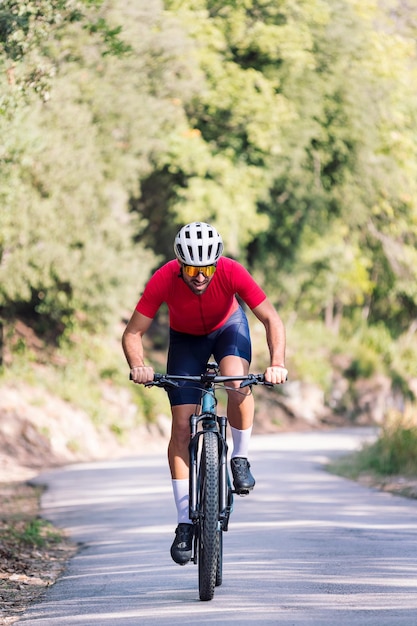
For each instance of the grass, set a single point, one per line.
(34, 532)
(32, 552)
(394, 453)
(20, 524)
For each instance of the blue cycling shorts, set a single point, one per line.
(189, 354)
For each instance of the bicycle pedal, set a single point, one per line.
(242, 492)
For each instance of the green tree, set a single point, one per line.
(350, 158)
(70, 162)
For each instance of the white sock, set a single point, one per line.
(181, 497)
(241, 439)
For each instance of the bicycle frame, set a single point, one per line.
(210, 421)
(208, 474)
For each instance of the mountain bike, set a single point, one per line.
(211, 492)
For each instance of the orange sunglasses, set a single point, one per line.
(193, 271)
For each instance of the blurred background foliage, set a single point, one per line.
(290, 125)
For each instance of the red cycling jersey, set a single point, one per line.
(200, 314)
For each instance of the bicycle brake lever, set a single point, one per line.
(255, 381)
(172, 384)
(247, 383)
(161, 381)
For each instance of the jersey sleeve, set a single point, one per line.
(153, 295)
(246, 286)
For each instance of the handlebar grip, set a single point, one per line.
(256, 379)
(150, 384)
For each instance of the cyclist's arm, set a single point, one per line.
(133, 347)
(275, 335)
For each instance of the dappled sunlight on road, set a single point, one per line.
(304, 548)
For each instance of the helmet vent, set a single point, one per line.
(179, 250)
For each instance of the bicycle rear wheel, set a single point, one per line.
(208, 548)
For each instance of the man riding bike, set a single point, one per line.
(200, 288)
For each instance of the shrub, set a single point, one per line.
(393, 453)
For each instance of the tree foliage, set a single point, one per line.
(69, 164)
(302, 129)
(290, 125)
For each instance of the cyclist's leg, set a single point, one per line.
(233, 352)
(180, 438)
(185, 356)
(240, 405)
(181, 548)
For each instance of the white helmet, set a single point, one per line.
(198, 244)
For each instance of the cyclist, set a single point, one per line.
(205, 318)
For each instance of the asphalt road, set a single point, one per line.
(304, 548)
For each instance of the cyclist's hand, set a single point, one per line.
(276, 374)
(142, 374)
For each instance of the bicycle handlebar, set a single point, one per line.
(171, 380)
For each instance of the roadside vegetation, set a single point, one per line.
(389, 463)
(32, 553)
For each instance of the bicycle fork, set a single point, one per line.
(210, 422)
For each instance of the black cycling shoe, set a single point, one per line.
(242, 478)
(181, 548)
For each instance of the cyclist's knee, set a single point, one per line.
(232, 365)
(237, 396)
(181, 422)
(180, 434)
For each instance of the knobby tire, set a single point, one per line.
(209, 509)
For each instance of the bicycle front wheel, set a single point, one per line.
(208, 548)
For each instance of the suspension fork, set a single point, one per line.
(208, 419)
(193, 451)
(224, 503)
(225, 493)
